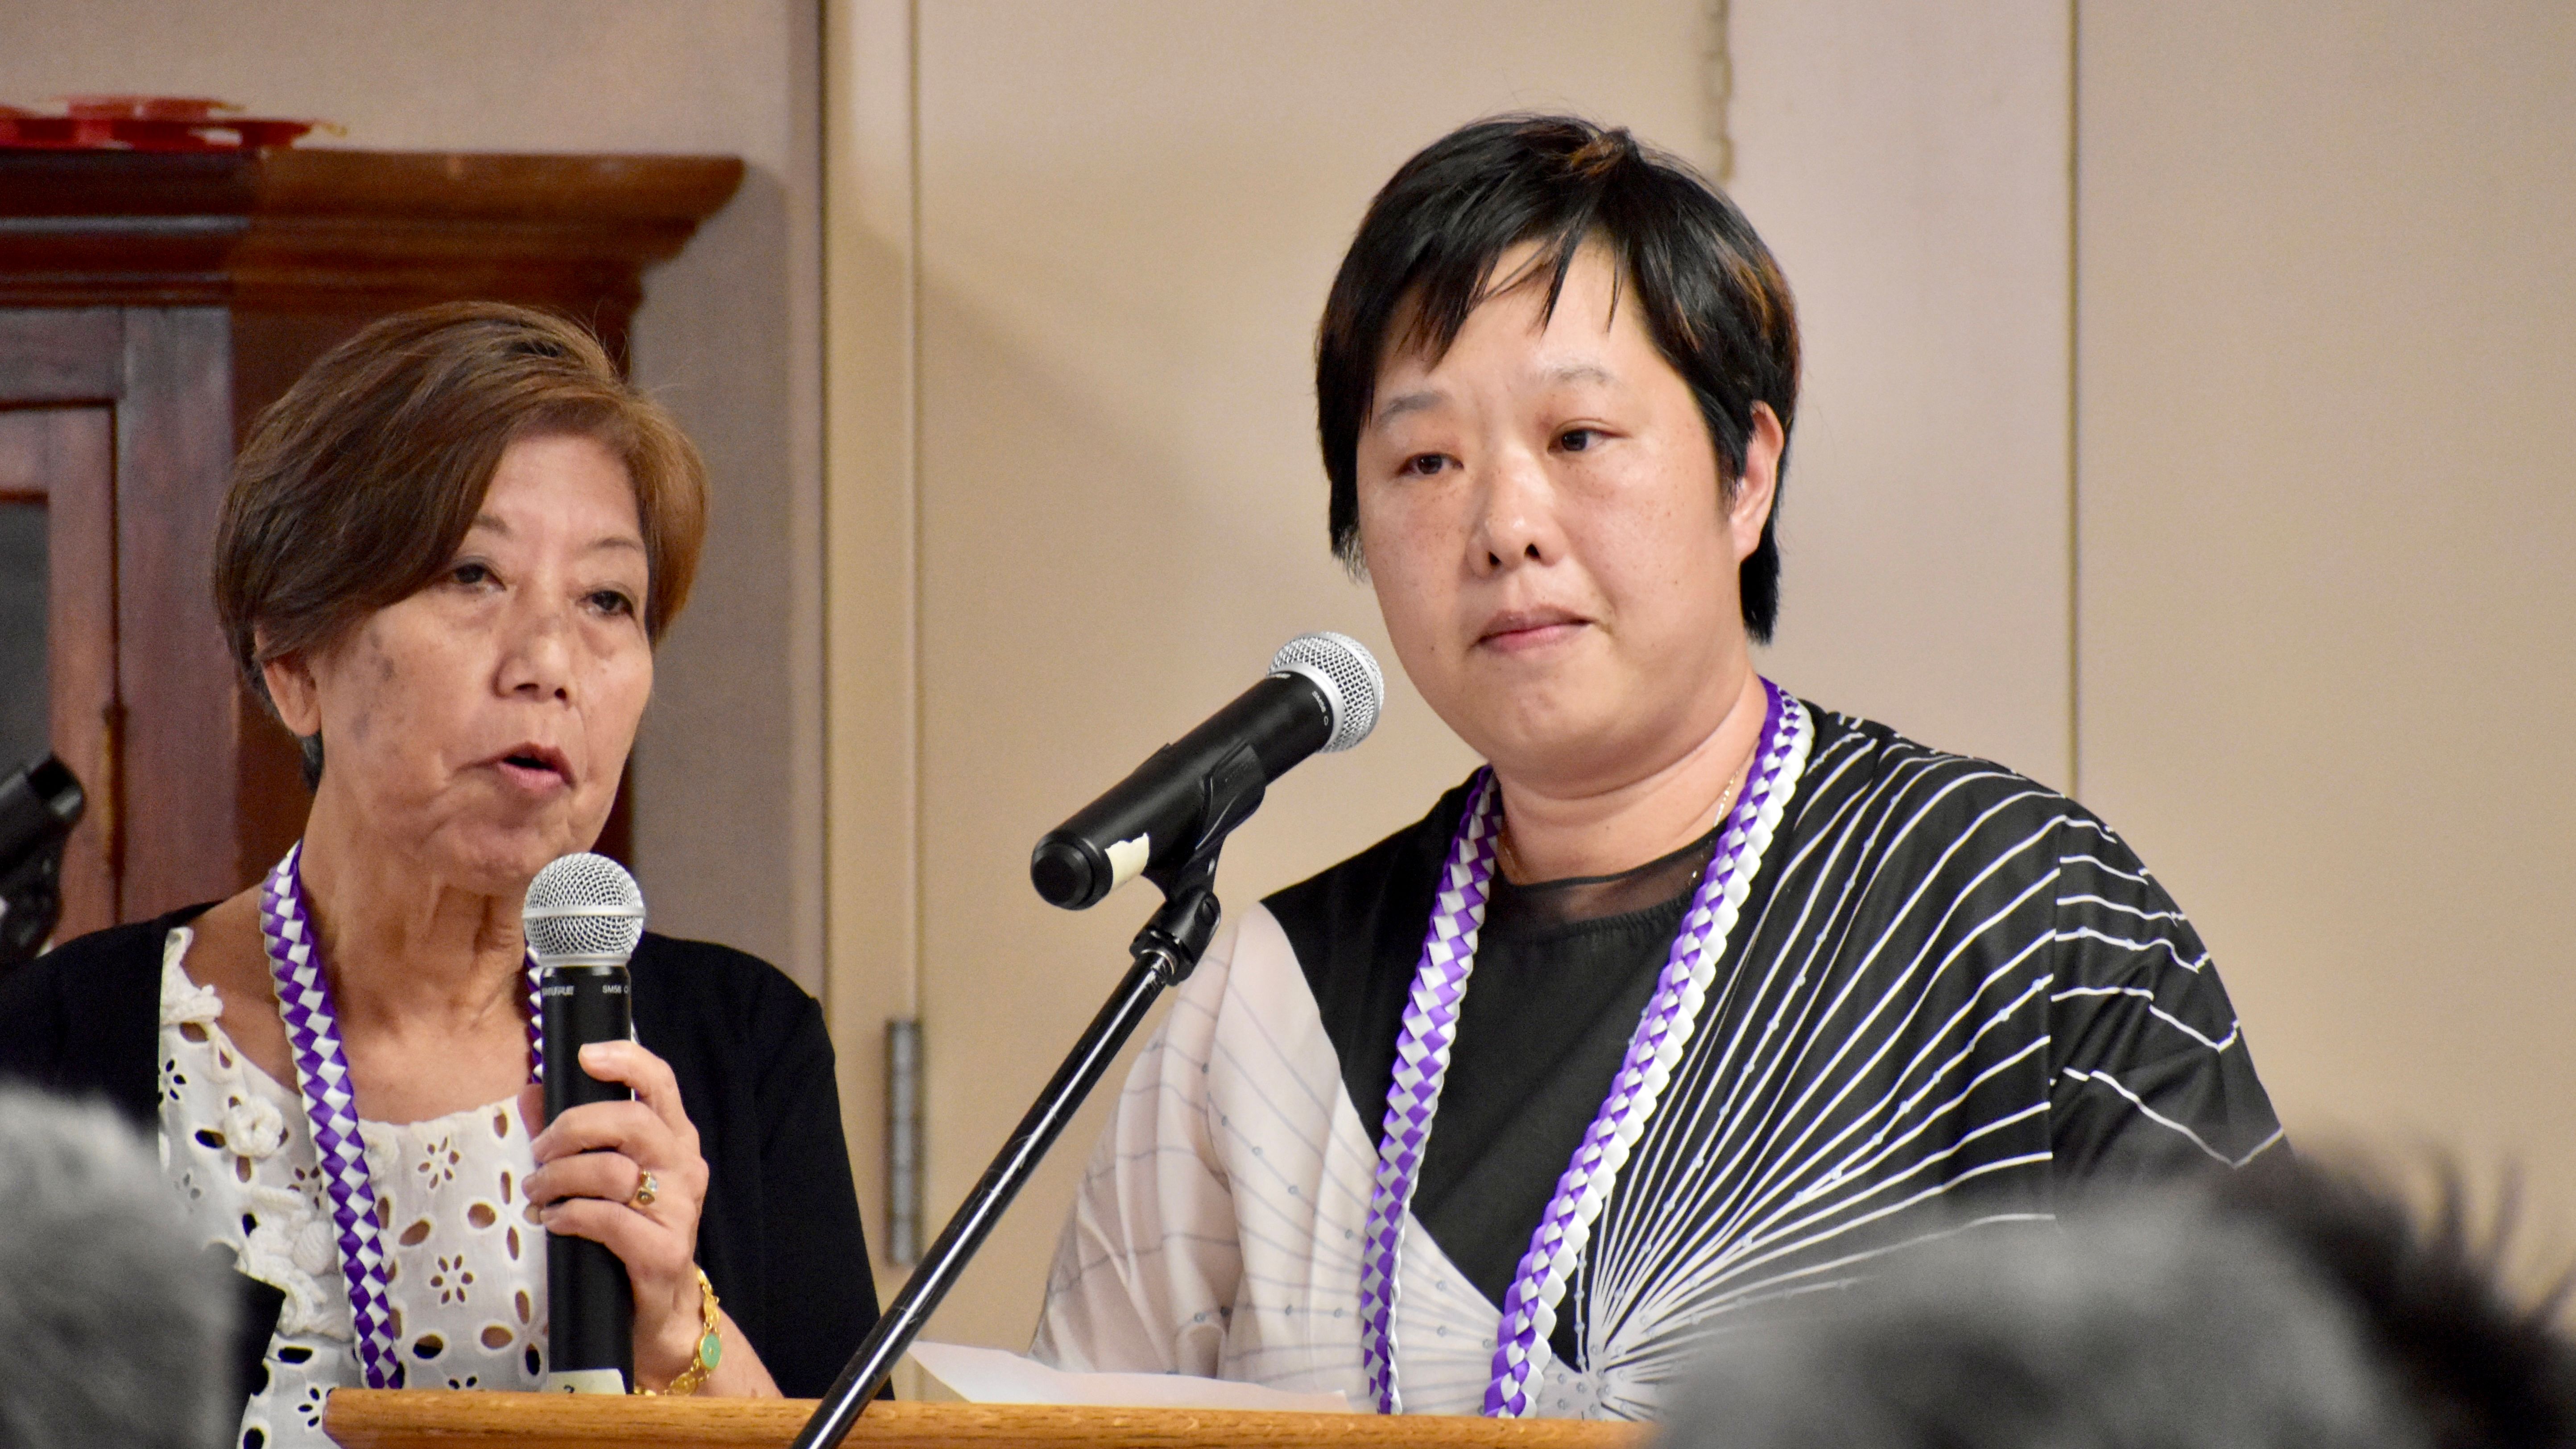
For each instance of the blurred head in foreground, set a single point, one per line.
(112, 1328)
(2304, 1309)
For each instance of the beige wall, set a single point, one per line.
(1102, 508)
(1908, 164)
(729, 767)
(1127, 220)
(2327, 407)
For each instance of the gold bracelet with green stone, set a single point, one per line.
(710, 1348)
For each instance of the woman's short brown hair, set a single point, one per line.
(356, 488)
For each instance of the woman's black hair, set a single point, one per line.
(1425, 256)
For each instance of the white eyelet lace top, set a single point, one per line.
(468, 1273)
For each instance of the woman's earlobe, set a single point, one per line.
(1757, 488)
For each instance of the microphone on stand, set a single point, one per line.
(583, 917)
(1167, 822)
(1322, 693)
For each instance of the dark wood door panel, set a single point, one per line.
(65, 456)
(64, 355)
(174, 444)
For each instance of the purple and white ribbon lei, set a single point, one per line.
(1430, 1026)
(322, 1073)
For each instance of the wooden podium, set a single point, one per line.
(440, 1419)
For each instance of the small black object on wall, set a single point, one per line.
(39, 805)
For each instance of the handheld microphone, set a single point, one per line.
(1323, 693)
(583, 917)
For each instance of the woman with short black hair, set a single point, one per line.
(445, 560)
(1696, 995)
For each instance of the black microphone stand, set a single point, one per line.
(1164, 955)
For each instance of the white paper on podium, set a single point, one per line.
(993, 1376)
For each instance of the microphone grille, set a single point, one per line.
(1343, 668)
(583, 908)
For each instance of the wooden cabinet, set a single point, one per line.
(151, 304)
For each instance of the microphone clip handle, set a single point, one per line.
(1227, 797)
(1172, 942)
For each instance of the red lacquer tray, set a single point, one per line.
(147, 123)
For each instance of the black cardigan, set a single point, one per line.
(779, 1236)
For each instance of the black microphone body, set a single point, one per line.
(590, 1304)
(1210, 778)
(39, 805)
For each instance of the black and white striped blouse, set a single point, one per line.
(1952, 997)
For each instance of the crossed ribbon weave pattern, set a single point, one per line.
(1430, 1027)
(1529, 1307)
(322, 1075)
(1422, 1044)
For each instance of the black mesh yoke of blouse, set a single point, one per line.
(1563, 971)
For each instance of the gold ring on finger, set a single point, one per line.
(646, 1189)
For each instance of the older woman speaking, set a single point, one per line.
(1697, 996)
(445, 560)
